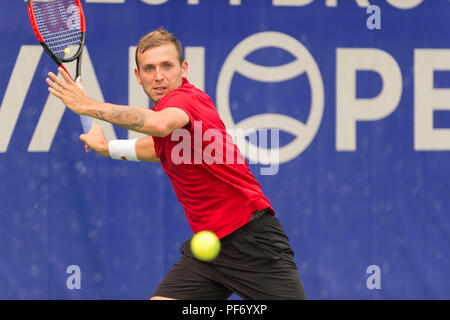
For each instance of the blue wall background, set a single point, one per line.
(384, 203)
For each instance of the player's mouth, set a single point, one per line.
(160, 90)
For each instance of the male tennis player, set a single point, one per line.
(256, 259)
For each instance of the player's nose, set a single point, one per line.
(159, 74)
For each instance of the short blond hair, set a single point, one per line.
(158, 38)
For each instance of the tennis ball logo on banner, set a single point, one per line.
(304, 63)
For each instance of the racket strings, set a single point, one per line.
(59, 24)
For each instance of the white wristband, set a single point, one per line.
(123, 149)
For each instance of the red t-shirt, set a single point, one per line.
(211, 179)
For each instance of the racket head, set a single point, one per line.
(59, 26)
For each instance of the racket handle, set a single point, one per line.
(86, 123)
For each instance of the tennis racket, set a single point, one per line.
(60, 28)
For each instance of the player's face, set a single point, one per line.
(160, 71)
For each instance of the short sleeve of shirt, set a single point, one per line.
(186, 98)
(180, 101)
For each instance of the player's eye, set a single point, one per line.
(167, 66)
(148, 68)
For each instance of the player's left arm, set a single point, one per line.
(154, 123)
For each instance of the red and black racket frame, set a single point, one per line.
(60, 61)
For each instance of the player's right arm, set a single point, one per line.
(95, 140)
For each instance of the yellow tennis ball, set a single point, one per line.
(205, 245)
(66, 50)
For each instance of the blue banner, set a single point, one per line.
(358, 93)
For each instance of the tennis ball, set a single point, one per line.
(66, 50)
(205, 245)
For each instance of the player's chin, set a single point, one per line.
(157, 96)
(155, 100)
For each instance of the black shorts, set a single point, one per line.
(255, 262)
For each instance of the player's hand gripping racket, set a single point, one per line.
(60, 28)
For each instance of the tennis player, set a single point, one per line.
(256, 260)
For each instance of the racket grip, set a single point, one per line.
(86, 123)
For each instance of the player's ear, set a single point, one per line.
(138, 76)
(184, 68)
